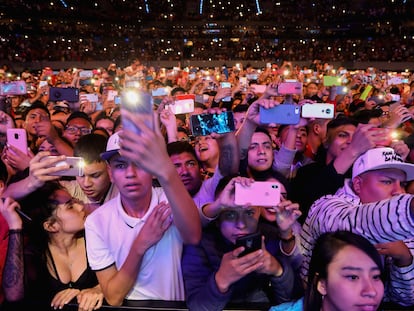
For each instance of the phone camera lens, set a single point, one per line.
(328, 111)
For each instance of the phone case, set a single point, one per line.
(251, 242)
(70, 94)
(280, 114)
(290, 88)
(331, 81)
(259, 193)
(76, 166)
(323, 111)
(206, 123)
(183, 104)
(17, 137)
(138, 102)
(13, 88)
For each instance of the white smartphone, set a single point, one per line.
(183, 104)
(76, 165)
(92, 97)
(258, 88)
(318, 110)
(259, 193)
(17, 137)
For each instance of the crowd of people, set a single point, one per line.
(109, 195)
(181, 30)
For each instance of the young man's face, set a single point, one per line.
(95, 182)
(239, 119)
(132, 182)
(301, 138)
(374, 186)
(340, 139)
(189, 171)
(260, 155)
(33, 117)
(76, 128)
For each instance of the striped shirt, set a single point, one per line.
(379, 222)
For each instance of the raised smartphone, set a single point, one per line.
(76, 165)
(259, 193)
(280, 114)
(206, 123)
(17, 137)
(290, 88)
(318, 110)
(183, 104)
(137, 102)
(331, 81)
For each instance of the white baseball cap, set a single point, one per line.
(112, 147)
(381, 158)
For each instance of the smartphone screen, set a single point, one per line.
(205, 124)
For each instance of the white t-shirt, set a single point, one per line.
(110, 233)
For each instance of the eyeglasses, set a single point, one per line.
(75, 129)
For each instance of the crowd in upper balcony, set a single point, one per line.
(177, 30)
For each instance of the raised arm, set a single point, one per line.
(151, 154)
(13, 277)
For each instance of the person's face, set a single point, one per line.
(301, 138)
(182, 136)
(33, 117)
(70, 214)
(76, 128)
(260, 154)
(107, 124)
(353, 282)
(133, 183)
(95, 180)
(311, 89)
(238, 119)
(46, 146)
(206, 148)
(237, 222)
(189, 171)
(369, 104)
(373, 186)
(341, 138)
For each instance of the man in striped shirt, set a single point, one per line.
(373, 204)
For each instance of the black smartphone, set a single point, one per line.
(70, 94)
(206, 123)
(251, 242)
